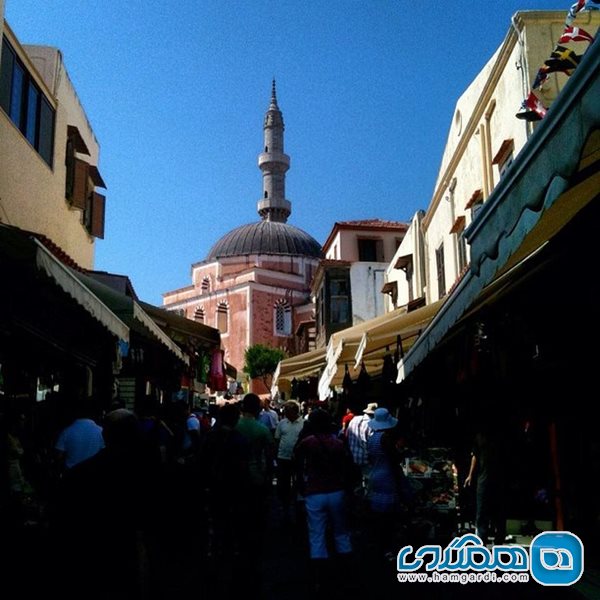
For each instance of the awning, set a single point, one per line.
(65, 279)
(131, 312)
(183, 330)
(24, 251)
(553, 178)
(367, 343)
(301, 365)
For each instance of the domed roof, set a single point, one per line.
(265, 237)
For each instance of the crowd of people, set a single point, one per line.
(133, 485)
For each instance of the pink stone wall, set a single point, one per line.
(230, 282)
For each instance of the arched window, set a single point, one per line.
(206, 285)
(199, 315)
(282, 317)
(222, 317)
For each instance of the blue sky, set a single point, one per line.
(176, 93)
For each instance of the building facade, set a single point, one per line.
(483, 140)
(254, 285)
(347, 285)
(49, 177)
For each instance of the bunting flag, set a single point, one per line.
(562, 59)
(579, 6)
(575, 34)
(541, 77)
(532, 109)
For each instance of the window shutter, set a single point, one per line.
(80, 184)
(98, 202)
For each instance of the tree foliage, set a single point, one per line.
(261, 361)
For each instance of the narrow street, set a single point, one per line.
(283, 571)
(186, 570)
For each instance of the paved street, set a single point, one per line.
(284, 572)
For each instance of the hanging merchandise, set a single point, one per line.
(363, 381)
(217, 379)
(389, 371)
(347, 381)
(294, 389)
(203, 367)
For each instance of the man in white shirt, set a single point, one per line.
(81, 440)
(286, 436)
(356, 435)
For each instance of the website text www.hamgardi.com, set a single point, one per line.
(464, 578)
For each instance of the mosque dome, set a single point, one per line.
(265, 237)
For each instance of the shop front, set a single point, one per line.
(59, 344)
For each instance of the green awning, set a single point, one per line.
(131, 312)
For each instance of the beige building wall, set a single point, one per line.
(32, 193)
(408, 277)
(483, 131)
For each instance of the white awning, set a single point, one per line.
(46, 262)
(368, 342)
(301, 365)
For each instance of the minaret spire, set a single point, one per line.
(274, 96)
(274, 163)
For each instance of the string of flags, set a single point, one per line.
(561, 60)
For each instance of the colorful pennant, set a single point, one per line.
(575, 34)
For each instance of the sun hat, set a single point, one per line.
(382, 420)
(370, 410)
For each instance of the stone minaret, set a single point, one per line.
(274, 163)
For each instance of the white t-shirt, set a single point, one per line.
(192, 424)
(287, 433)
(79, 441)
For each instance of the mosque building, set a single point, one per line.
(254, 285)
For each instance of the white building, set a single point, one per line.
(484, 137)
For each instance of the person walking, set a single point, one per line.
(356, 436)
(80, 440)
(98, 517)
(385, 491)
(321, 458)
(286, 436)
(488, 464)
(268, 416)
(260, 466)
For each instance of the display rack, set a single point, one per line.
(433, 480)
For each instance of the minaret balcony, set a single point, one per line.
(277, 158)
(274, 203)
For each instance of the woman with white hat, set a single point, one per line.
(384, 492)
